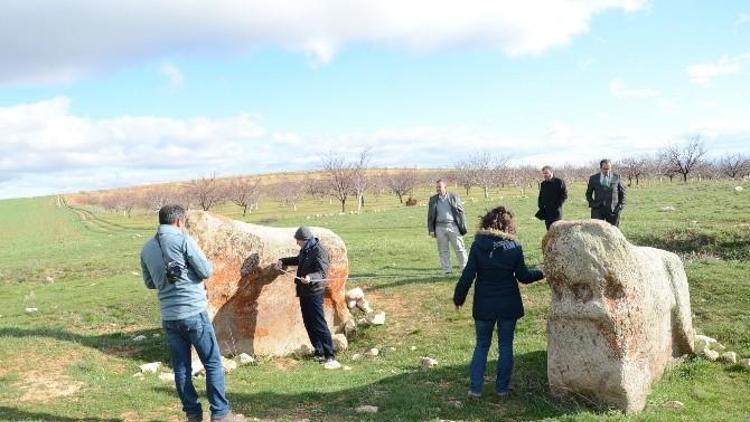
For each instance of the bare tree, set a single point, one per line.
(244, 193)
(683, 160)
(463, 174)
(289, 193)
(402, 182)
(317, 188)
(484, 169)
(360, 178)
(206, 192)
(633, 168)
(734, 165)
(339, 177)
(159, 196)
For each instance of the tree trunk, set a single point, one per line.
(486, 192)
(343, 205)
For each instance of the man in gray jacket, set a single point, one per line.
(606, 194)
(173, 264)
(445, 222)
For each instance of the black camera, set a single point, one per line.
(174, 271)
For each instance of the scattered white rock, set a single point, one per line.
(376, 318)
(426, 363)
(50, 279)
(228, 364)
(730, 357)
(347, 368)
(135, 273)
(31, 310)
(306, 349)
(718, 347)
(156, 335)
(413, 348)
(456, 403)
(166, 377)
(244, 359)
(711, 355)
(150, 368)
(745, 363)
(138, 375)
(363, 322)
(673, 404)
(738, 188)
(340, 343)
(702, 343)
(364, 305)
(668, 209)
(366, 409)
(355, 293)
(356, 356)
(197, 368)
(138, 339)
(372, 352)
(351, 304)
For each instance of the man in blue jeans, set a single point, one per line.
(173, 264)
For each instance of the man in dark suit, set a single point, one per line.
(552, 194)
(606, 194)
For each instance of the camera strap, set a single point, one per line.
(163, 256)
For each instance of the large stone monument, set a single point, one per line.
(252, 304)
(619, 315)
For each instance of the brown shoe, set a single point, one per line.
(195, 418)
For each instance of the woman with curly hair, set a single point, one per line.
(496, 262)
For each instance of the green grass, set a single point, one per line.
(81, 336)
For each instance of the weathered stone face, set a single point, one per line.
(619, 315)
(253, 306)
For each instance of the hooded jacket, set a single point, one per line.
(313, 261)
(496, 262)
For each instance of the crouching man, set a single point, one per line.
(174, 265)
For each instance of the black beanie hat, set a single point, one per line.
(303, 233)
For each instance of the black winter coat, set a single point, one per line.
(552, 195)
(496, 261)
(313, 261)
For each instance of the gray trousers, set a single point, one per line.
(447, 235)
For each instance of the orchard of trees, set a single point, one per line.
(349, 181)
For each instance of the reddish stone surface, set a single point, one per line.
(253, 306)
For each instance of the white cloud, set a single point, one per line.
(704, 73)
(618, 88)
(742, 19)
(173, 75)
(63, 41)
(45, 148)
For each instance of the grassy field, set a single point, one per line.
(74, 359)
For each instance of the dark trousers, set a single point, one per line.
(548, 222)
(605, 214)
(316, 326)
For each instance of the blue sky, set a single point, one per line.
(97, 97)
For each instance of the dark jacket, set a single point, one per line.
(610, 197)
(496, 261)
(552, 194)
(313, 261)
(457, 210)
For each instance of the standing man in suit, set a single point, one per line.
(552, 194)
(606, 194)
(446, 223)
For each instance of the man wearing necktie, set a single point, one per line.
(606, 194)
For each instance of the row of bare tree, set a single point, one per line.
(341, 179)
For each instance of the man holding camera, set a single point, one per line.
(173, 264)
